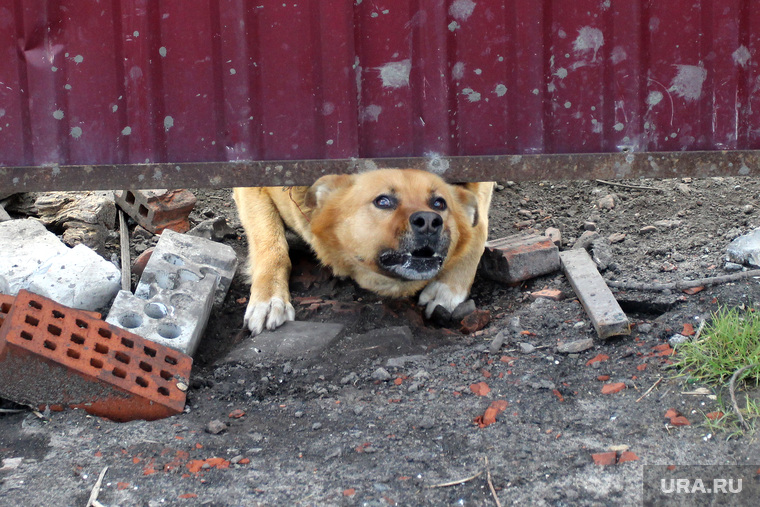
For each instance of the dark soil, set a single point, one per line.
(335, 429)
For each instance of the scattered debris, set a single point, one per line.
(157, 210)
(489, 416)
(516, 258)
(603, 310)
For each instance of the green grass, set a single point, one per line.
(728, 342)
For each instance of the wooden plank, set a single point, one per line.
(600, 304)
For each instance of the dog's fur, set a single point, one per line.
(394, 231)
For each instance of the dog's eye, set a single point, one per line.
(384, 202)
(439, 204)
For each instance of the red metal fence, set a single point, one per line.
(168, 93)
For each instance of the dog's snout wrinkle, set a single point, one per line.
(426, 223)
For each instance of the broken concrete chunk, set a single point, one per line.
(78, 278)
(25, 246)
(745, 249)
(516, 258)
(600, 304)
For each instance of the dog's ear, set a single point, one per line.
(324, 186)
(469, 203)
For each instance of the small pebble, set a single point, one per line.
(381, 374)
(526, 348)
(677, 339)
(216, 427)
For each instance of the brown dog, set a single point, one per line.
(394, 231)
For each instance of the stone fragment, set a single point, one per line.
(555, 235)
(745, 249)
(575, 347)
(475, 321)
(608, 202)
(292, 340)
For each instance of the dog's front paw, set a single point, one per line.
(270, 314)
(438, 293)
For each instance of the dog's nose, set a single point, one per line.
(426, 223)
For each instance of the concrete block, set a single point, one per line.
(52, 355)
(175, 252)
(292, 340)
(513, 259)
(177, 289)
(25, 247)
(79, 278)
(597, 299)
(157, 210)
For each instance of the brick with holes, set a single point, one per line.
(157, 210)
(54, 356)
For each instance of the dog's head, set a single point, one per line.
(392, 230)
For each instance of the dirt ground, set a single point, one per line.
(388, 414)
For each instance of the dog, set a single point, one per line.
(396, 232)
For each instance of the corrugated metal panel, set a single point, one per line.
(148, 81)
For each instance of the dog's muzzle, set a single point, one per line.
(421, 251)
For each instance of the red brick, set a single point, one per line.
(157, 210)
(613, 388)
(475, 321)
(54, 355)
(553, 294)
(627, 456)
(516, 258)
(605, 458)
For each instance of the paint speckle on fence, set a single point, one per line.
(457, 71)
(76, 132)
(688, 81)
(500, 90)
(396, 74)
(58, 114)
(162, 51)
(370, 113)
(78, 59)
(168, 123)
(126, 131)
(741, 56)
(654, 98)
(461, 9)
(471, 94)
(589, 39)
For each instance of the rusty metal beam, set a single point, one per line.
(586, 166)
